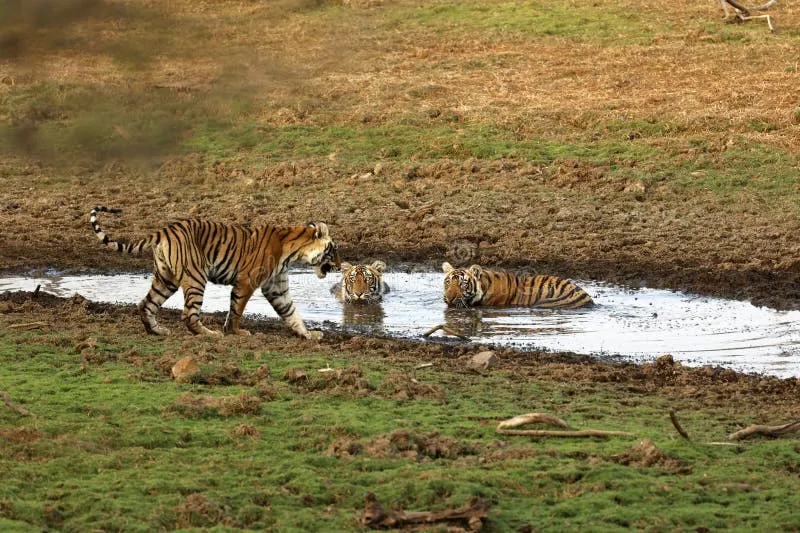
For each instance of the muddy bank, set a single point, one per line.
(505, 213)
(80, 319)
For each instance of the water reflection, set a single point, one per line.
(367, 317)
(464, 321)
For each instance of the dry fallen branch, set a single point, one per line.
(447, 330)
(765, 430)
(532, 418)
(375, 516)
(544, 418)
(674, 418)
(13, 405)
(564, 433)
(742, 13)
(419, 367)
(29, 325)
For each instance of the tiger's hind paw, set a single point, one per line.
(158, 330)
(314, 335)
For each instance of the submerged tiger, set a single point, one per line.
(361, 283)
(474, 286)
(189, 253)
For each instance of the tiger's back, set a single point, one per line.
(474, 286)
(545, 291)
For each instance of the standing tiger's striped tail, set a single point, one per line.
(119, 246)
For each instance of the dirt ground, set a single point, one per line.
(563, 219)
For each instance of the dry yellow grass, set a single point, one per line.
(296, 61)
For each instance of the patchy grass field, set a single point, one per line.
(260, 439)
(625, 141)
(630, 141)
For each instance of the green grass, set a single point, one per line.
(108, 451)
(581, 23)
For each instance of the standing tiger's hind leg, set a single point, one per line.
(277, 293)
(240, 294)
(160, 291)
(192, 302)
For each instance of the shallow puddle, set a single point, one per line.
(638, 325)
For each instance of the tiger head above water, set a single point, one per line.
(473, 286)
(361, 283)
(462, 286)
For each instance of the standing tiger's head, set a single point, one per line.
(321, 253)
(462, 286)
(363, 283)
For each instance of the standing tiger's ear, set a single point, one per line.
(320, 230)
(475, 270)
(345, 267)
(447, 267)
(380, 266)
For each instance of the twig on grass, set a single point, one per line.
(532, 418)
(564, 433)
(29, 325)
(419, 367)
(375, 516)
(771, 431)
(544, 418)
(674, 418)
(447, 330)
(13, 405)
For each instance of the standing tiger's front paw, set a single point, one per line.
(314, 335)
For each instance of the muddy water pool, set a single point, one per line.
(638, 325)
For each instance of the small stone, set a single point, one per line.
(183, 370)
(483, 361)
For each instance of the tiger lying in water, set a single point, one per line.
(473, 286)
(189, 253)
(361, 283)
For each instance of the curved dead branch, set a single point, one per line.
(674, 418)
(771, 431)
(447, 330)
(14, 405)
(564, 433)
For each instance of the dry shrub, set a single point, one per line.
(268, 391)
(350, 379)
(224, 374)
(198, 511)
(246, 430)
(242, 404)
(295, 376)
(663, 370)
(261, 373)
(21, 435)
(646, 454)
(402, 386)
(165, 363)
(344, 446)
(190, 406)
(419, 446)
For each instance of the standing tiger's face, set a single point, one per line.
(462, 286)
(322, 253)
(363, 283)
